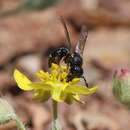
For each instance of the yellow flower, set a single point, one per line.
(54, 85)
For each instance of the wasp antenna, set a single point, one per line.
(66, 31)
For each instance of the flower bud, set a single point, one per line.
(121, 86)
(6, 111)
(7, 114)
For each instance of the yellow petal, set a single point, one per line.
(22, 80)
(40, 85)
(58, 93)
(63, 76)
(69, 99)
(54, 67)
(64, 68)
(42, 95)
(40, 76)
(77, 98)
(76, 89)
(75, 81)
(45, 75)
(54, 75)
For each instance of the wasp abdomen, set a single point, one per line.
(75, 72)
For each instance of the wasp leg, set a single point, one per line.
(53, 60)
(50, 60)
(68, 67)
(57, 60)
(62, 60)
(85, 81)
(69, 78)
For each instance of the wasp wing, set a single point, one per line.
(81, 43)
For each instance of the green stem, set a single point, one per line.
(56, 125)
(54, 110)
(19, 123)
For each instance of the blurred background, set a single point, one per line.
(31, 29)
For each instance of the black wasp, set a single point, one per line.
(74, 60)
